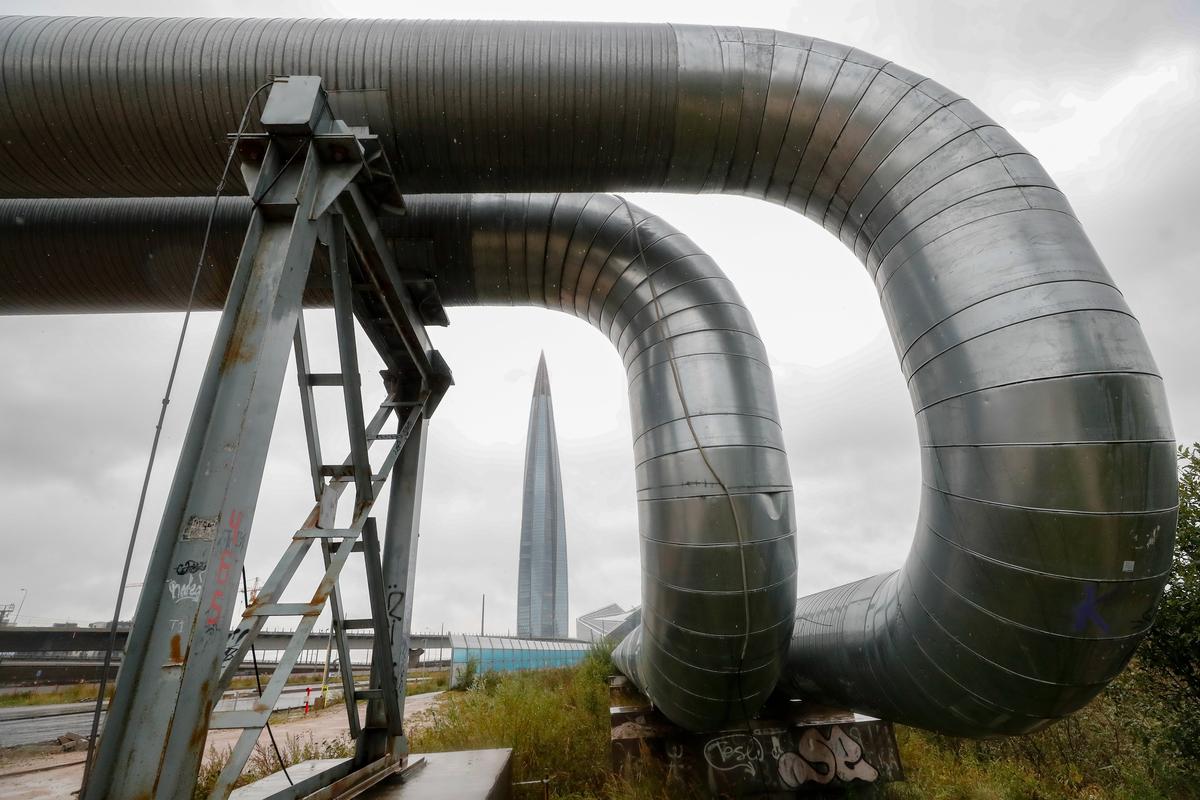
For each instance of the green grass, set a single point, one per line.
(555, 721)
(429, 682)
(264, 762)
(1119, 747)
(81, 693)
(248, 681)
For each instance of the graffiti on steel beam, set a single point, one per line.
(225, 565)
(200, 529)
(232, 645)
(188, 589)
(395, 612)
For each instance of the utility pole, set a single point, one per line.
(482, 612)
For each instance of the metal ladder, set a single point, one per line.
(330, 482)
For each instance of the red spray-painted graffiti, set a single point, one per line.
(224, 567)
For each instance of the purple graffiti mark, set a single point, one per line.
(1087, 611)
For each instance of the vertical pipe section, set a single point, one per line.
(715, 505)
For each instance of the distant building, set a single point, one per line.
(610, 622)
(507, 654)
(542, 573)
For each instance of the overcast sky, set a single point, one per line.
(1106, 94)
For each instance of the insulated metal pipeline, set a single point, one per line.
(1048, 474)
(715, 505)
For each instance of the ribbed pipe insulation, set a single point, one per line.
(1048, 476)
(715, 505)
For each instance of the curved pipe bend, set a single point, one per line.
(710, 467)
(715, 504)
(1048, 474)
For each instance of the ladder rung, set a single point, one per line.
(286, 609)
(379, 436)
(358, 624)
(333, 547)
(326, 533)
(226, 720)
(337, 470)
(324, 379)
(401, 403)
(368, 694)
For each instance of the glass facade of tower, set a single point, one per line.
(542, 574)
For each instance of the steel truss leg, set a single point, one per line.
(159, 715)
(321, 526)
(306, 173)
(399, 569)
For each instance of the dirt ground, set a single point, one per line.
(35, 773)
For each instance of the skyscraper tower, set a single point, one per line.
(542, 578)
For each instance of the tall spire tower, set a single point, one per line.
(542, 578)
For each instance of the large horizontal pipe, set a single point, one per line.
(1048, 477)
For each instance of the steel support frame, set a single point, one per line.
(397, 580)
(180, 654)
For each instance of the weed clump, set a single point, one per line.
(263, 762)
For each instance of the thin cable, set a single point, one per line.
(279, 173)
(258, 682)
(162, 414)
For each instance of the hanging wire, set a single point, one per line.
(258, 683)
(162, 413)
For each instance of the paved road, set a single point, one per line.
(35, 724)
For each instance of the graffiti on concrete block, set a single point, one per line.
(677, 766)
(734, 751)
(819, 760)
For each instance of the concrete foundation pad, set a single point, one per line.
(277, 782)
(460, 775)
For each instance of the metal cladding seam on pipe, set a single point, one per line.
(1048, 475)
